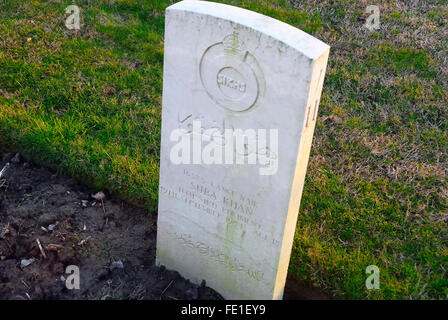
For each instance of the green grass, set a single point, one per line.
(88, 103)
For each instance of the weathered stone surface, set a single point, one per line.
(228, 68)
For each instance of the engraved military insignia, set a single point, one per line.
(231, 75)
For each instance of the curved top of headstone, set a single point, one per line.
(308, 45)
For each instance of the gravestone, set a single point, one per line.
(240, 99)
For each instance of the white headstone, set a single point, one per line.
(228, 209)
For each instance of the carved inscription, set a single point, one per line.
(215, 132)
(224, 259)
(227, 81)
(235, 210)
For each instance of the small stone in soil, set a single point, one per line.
(117, 265)
(26, 262)
(99, 196)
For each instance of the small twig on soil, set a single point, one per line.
(104, 209)
(105, 215)
(59, 235)
(84, 241)
(19, 229)
(53, 247)
(44, 229)
(100, 196)
(41, 249)
(166, 289)
(8, 244)
(25, 284)
(4, 169)
(5, 231)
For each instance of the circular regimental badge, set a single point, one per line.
(231, 75)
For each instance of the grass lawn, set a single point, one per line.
(88, 103)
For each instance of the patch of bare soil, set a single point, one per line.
(113, 245)
(111, 242)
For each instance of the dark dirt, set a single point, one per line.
(91, 234)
